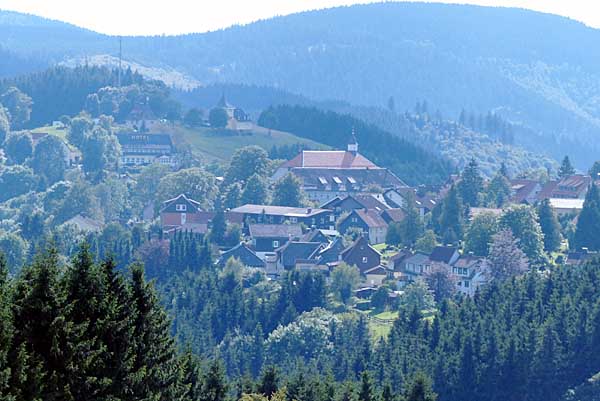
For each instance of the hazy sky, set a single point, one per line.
(128, 17)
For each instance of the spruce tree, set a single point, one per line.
(6, 330)
(420, 389)
(411, 227)
(566, 168)
(471, 184)
(587, 233)
(268, 384)
(366, 388)
(550, 226)
(451, 219)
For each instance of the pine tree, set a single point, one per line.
(566, 168)
(587, 233)
(214, 387)
(420, 389)
(268, 384)
(471, 184)
(451, 219)
(550, 226)
(366, 388)
(154, 366)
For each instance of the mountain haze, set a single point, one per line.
(537, 70)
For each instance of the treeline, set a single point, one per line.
(491, 124)
(62, 91)
(410, 162)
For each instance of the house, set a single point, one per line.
(447, 255)
(326, 174)
(268, 237)
(571, 187)
(393, 216)
(294, 252)
(397, 198)
(263, 214)
(183, 213)
(320, 235)
(368, 222)
(140, 149)
(578, 258)
(331, 253)
(416, 265)
(470, 274)
(362, 255)
(349, 203)
(524, 191)
(244, 254)
(397, 262)
(375, 275)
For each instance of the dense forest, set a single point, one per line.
(528, 338)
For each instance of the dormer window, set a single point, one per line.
(364, 259)
(181, 207)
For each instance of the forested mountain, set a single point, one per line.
(537, 70)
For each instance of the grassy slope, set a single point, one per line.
(212, 146)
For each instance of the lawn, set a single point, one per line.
(48, 129)
(211, 145)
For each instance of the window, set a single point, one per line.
(276, 244)
(364, 259)
(181, 207)
(294, 219)
(354, 220)
(466, 283)
(332, 218)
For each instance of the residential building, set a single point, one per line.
(139, 149)
(268, 237)
(368, 221)
(264, 214)
(571, 187)
(237, 119)
(294, 252)
(375, 276)
(244, 254)
(182, 212)
(362, 255)
(447, 255)
(326, 174)
(524, 191)
(566, 206)
(397, 198)
(470, 274)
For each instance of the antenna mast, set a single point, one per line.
(120, 58)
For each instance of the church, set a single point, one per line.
(326, 174)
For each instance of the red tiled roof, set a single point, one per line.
(329, 159)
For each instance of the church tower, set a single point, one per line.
(353, 144)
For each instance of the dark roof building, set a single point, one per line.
(361, 254)
(444, 254)
(245, 255)
(294, 251)
(368, 221)
(264, 214)
(268, 237)
(143, 149)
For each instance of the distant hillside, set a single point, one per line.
(410, 162)
(439, 134)
(537, 70)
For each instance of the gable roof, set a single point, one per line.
(329, 159)
(293, 251)
(275, 230)
(379, 270)
(360, 244)
(84, 223)
(523, 188)
(442, 254)
(371, 218)
(244, 254)
(182, 198)
(393, 215)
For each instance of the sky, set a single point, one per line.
(155, 17)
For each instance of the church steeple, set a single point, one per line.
(353, 143)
